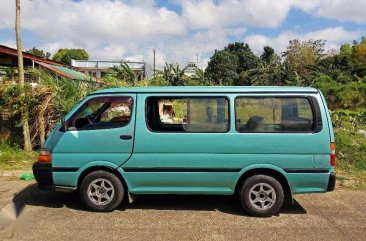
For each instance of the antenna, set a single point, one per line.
(154, 63)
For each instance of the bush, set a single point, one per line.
(351, 150)
(343, 96)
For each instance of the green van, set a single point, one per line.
(263, 144)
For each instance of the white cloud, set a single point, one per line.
(342, 10)
(334, 36)
(10, 43)
(129, 29)
(93, 21)
(203, 14)
(185, 48)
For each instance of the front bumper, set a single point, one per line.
(43, 174)
(332, 182)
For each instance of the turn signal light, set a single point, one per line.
(333, 154)
(44, 156)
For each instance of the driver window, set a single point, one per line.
(103, 112)
(92, 108)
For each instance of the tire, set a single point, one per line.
(101, 191)
(261, 196)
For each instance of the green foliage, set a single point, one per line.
(359, 52)
(346, 50)
(269, 72)
(267, 54)
(159, 80)
(300, 55)
(112, 82)
(174, 74)
(65, 55)
(198, 78)
(351, 121)
(45, 105)
(351, 95)
(350, 127)
(121, 76)
(39, 53)
(67, 93)
(246, 59)
(222, 68)
(17, 98)
(226, 66)
(13, 157)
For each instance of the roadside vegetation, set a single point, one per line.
(350, 137)
(14, 158)
(340, 74)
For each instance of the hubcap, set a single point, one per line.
(100, 191)
(262, 196)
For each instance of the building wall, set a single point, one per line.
(98, 68)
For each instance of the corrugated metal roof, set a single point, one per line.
(63, 71)
(75, 74)
(13, 52)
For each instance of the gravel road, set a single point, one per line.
(339, 215)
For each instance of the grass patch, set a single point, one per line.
(14, 158)
(351, 159)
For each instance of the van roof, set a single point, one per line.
(209, 89)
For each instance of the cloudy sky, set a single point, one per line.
(179, 29)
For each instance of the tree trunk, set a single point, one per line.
(24, 113)
(41, 119)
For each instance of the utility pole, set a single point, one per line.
(24, 113)
(154, 63)
(197, 60)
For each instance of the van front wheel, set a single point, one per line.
(101, 191)
(261, 196)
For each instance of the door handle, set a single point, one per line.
(125, 137)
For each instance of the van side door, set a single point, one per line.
(182, 145)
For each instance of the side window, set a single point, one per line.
(102, 112)
(254, 115)
(277, 114)
(192, 114)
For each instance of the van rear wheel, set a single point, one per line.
(101, 191)
(261, 196)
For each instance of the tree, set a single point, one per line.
(299, 55)
(124, 72)
(39, 53)
(65, 55)
(199, 75)
(174, 74)
(245, 56)
(271, 71)
(267, 54)
(222, 68)
(226, 65)
(346, 50)
(359, 52)
(24, 113)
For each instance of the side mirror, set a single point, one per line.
(63, 125)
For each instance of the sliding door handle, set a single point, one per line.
(125, 137)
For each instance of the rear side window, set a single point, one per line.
(187, 114)
(274, 114)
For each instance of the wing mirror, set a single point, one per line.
(63, 125)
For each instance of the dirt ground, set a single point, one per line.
(339, 215)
